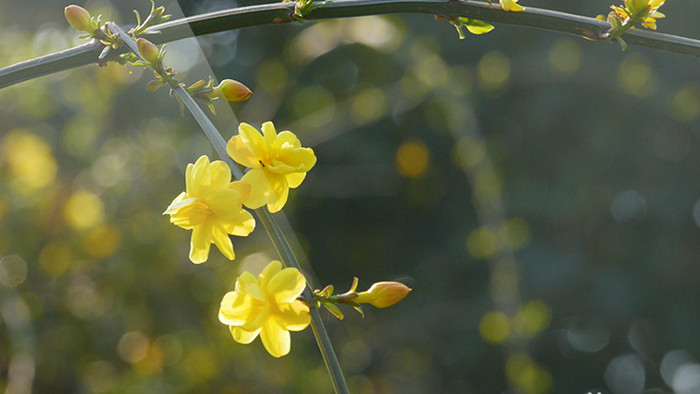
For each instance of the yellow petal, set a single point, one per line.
(234, 308)
(279, 192)
(200, 242)
(269, 133)
(253, 140)
(272, 269)
(197, 177)
(242, 336)
(294, 316)
(248, 284)
(294, 179)
(286, 285)
(511, 5)
(220, 175)
(242, 188)
(224, 203)
(275, 339)
(286, 140)
(240, 153)
(179, 202)
(259, 188)
(258, 316)
(222, 241)
(240, 225)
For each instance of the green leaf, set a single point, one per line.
(476, 26)
(359, 309)
(334, 310)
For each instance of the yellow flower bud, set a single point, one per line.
(148, 50)
(79, 18)
(232, 91)
(383, 294)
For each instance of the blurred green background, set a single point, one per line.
(540, 193)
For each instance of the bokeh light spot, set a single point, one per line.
(526, 375)
(133, 347)
(83, 210)
(636, 76)
(494, 327)
(588, 334)
(533, 317)
(412, 159)
(272, 76)
(469, 152)
(493, 71)
(625, 374)
(514, 233)
(685, 104)
(628, 206)
(481, 243)
(102, 241)
(565, 56)
(13, 270)
(368, 105)
(55, 258)
(29, 159)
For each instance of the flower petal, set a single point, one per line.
(242, 188)
(259, 188)
(294, 316)
(268, 273)
(275, 339)
(279, 192)
(200, 242)
(197, 177)
(286, 285)
(234, 308)
(247, 283)
(269, 133)
(239, 152)
(240, 225)
(242, 336)
(253, 140)
(294, 179)
(222, 241)
(220, 175)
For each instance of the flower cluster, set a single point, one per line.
(268, 306)
(212, 206)
(630, 14)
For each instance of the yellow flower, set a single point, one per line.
(511, 5)
(268, 306)
(383, 294)
(211, 207)
(277, 161)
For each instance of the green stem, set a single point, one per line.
(276, 13)
(273, 230)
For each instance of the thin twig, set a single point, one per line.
(276, 13)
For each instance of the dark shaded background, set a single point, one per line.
(593, 152)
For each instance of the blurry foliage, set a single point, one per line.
(595, 153)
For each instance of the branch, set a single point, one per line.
(266, 14)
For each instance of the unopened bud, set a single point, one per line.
(79, 18)
(232, 91)
(383, 294)
(148, 50)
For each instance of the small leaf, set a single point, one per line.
(355, 282)
(211, 108)
(476, 26)
(334, 310)
(358, 308)
(622, 43)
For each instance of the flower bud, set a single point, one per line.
(383, 294)
(148, 50)
(79, 18)
(232, 91)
